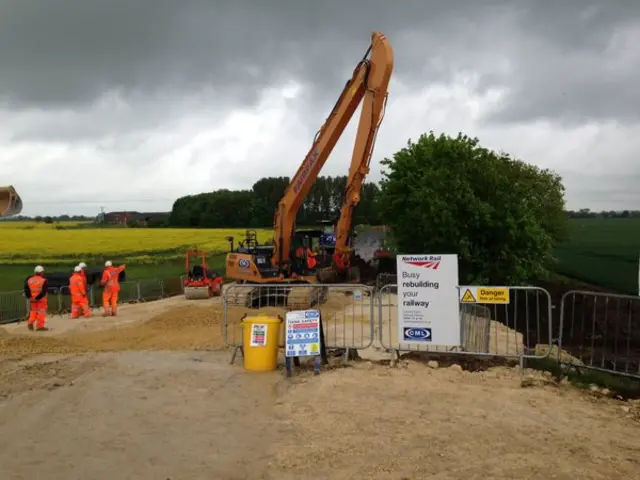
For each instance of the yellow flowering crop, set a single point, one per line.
(140, 245)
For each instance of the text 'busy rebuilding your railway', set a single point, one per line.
(408, 298)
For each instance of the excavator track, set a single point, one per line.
(276, 296)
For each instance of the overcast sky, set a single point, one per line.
(129, 104)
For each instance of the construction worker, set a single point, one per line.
(78, 291)
(310, 257)
(111, 288)
(35, 289)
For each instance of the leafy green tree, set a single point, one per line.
(501, 216)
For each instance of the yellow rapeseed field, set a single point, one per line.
(22, 242)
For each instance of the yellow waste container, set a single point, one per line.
(260, 338)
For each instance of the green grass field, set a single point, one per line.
(602, 252)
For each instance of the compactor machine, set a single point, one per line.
(305, 256)
(201, 282)
(10, 202)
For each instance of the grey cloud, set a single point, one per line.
(63, 53)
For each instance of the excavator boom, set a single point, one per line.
(370, 81)
(10, 202)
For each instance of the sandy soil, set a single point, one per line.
(151, 394)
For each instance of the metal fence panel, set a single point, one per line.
(347, 310)
(600, 331)
(520, 329)
(13, 307)
(150, 290)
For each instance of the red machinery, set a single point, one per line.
(201, 282)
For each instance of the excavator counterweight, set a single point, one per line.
(10, 202)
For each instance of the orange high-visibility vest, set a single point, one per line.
(76, 285)
(35, 286)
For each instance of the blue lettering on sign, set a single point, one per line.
(417, 334)
(311, 314)
(244, 263)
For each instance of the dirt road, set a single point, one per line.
(130, 398)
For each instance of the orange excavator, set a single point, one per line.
(10, 202)
(288, 259)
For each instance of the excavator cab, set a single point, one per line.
(10, 202)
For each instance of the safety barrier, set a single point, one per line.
(519, 329)
(14, 306)
(347, 310)
(600, 331)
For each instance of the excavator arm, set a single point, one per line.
(370, 81)
(10, 202)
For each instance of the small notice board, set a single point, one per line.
(304, 337)
(475, 294)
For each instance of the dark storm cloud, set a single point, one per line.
(66, 53)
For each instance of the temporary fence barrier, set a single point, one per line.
(600, 331)
(14, 306)
(347, 310)
(520, 329)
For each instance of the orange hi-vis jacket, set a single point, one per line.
(77, 285)
(110, 278)
(36, 288)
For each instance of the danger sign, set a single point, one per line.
(475, 294)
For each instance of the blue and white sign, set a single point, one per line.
(244, 263)
(428, 303)
(302, 335)
(417, 334)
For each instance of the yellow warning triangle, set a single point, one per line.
(468, 297)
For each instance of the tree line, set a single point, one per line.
(256, 207)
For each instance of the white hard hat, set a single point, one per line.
(82, 265)
(39, 269)
(77, 269)
(108, 263)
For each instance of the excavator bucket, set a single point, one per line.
(10, 202)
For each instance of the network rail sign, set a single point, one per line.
(428, 302)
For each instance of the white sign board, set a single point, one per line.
(258, 335)
(428, 303)
(303, 333)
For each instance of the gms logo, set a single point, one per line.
(244, 263)
(312, 314)
(417, 334)
(426, 261)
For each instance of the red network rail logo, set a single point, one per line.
(426, 264)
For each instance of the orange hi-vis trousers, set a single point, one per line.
(110, 302)
(80, 305)
(38, 312)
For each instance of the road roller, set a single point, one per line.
(201, 282)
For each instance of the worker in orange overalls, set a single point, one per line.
(311, 260)
(35, 289)
(78, 291)
(111, 288)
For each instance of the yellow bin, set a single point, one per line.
(260, 339)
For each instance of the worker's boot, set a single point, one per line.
(30, 326)
(42, 329)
